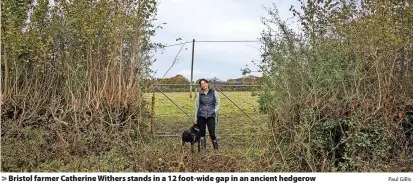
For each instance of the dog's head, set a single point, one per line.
(191, 135)
(194, 128)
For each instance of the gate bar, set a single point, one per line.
(211, 85)
(236, 106)
(172, 101)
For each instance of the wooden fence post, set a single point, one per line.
(153, 114)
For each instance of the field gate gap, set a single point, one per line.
(155, 86)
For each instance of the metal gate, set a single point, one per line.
(216, 87)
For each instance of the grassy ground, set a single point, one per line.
(44, 145)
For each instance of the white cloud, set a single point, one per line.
(178, 1)
(233, 30)
(187, 73)
(212, 20)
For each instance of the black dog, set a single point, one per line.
(192, 136)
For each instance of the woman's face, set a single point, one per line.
(204, 85)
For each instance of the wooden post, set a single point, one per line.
(192, 68)
(153, 114)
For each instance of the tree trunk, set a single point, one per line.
(6, 74)
(120, 65)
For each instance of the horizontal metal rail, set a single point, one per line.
(230, 41)
(217, 136)
(175, 85)
(211, 85)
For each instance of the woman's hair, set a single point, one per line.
(206, 81)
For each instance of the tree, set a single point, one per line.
(231, 80)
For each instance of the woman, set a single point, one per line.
(207, 104)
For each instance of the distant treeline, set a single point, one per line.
(233, 84)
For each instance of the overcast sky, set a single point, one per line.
(210, 20)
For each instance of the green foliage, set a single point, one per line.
(335, 89)
(52, 41)
(112, 161)
(72, 74)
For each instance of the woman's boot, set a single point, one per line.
(215, 144)
(203, 144)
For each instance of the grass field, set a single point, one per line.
(238, 136)
(171, 120)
